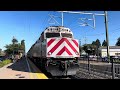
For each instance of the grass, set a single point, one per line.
(1, 64)
(5, 62)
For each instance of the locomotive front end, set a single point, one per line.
(62, 52)
(62, 48)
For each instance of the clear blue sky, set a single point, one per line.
(28, 25)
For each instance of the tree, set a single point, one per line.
(93, 43)
(23, 45)
(118, 42)
(12, 48)
(98, 44)
(0, 51)
(94, 47)
(90, 46)
(85, 46)
(104, 43)
(14, 40)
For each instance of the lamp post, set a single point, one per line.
(88, 51)
(113, 69)
(93, 52)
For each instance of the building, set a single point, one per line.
(83, 52)
(113, 51)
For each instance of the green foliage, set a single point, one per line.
(5, 62)
(104, 43)
(1, 64)
(15, 47)
(88, 46)
(118, 42)
(14, 40)
(23, 45)
(0, 51)
(97, 43)
(12, 47)
(93, 47)
(93, 43)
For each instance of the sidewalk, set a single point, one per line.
(8, 73)
(22, 69)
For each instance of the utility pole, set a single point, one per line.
(13, 45)
(107, 39)
(80, 46)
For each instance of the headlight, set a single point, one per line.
(77, 53)
(49, 53)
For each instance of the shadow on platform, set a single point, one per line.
(21, 65)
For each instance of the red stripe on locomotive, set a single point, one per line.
(50, 42)
(60, 42)
(75, 42)
(64, 49)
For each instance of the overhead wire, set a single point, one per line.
(112, 32)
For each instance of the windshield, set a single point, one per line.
(66, 35)
(49, 35)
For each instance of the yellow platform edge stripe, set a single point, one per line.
(39, 75)
(31, 75)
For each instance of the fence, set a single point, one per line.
(100, 69)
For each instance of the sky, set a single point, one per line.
(28, 25)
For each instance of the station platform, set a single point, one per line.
(23, 69)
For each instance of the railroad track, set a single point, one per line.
(68, 77)
(82, 74)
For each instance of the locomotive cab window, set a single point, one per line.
(49, 35)
(66, 35)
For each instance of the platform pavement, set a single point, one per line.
(23, 69)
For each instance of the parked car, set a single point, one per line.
(104, 59)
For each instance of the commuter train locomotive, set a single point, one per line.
(56, 51)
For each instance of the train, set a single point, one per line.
(56, 51)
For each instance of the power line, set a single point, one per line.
(45, 20)
(113, 31)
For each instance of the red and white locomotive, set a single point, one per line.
(56, 51)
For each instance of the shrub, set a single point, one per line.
(5, 62)
(1, 64)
